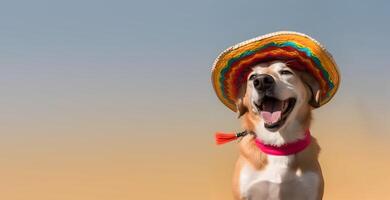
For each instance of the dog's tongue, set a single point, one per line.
(271, 111)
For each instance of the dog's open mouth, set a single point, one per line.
(274, 111)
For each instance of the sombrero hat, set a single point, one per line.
(233, 65)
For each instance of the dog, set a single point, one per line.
(275, 107)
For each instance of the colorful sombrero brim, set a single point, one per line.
(233, 65)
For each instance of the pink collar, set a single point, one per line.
(286, 149)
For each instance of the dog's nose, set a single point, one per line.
(263, 82)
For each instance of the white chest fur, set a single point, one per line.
(276, 180)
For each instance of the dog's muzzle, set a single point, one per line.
(274, 111)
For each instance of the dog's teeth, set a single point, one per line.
(284, 107)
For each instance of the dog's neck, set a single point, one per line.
(280, 137)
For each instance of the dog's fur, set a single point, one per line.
(260, 176)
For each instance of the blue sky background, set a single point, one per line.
(128, 54)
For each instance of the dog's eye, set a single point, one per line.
(253, 76)
(285, 72)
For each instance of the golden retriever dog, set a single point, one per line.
(275, 107)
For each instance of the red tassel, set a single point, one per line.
(222, 138)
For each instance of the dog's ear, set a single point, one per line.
(314, 89)
(241, 108)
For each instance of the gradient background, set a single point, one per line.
(113, 99)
